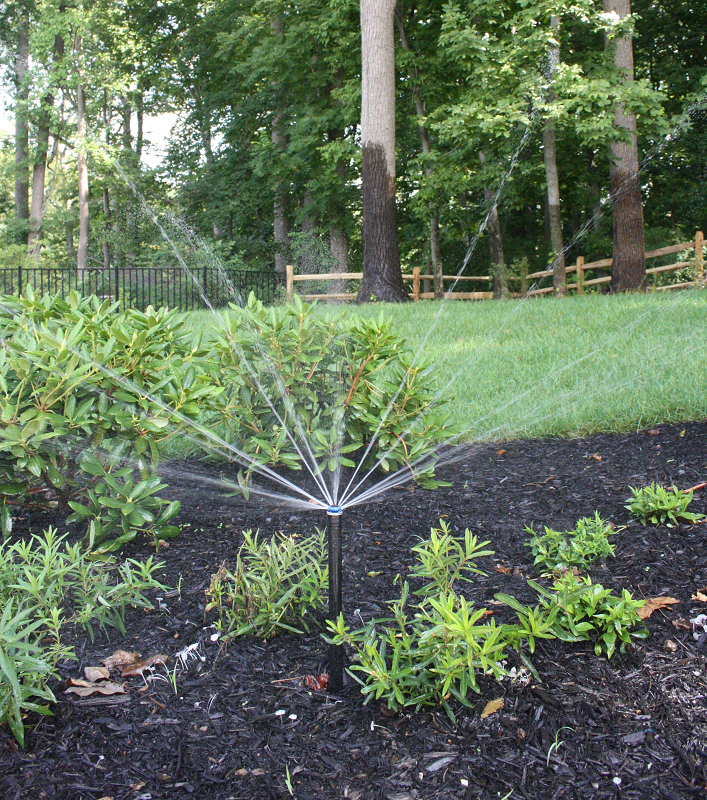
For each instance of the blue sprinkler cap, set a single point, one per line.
(334, 511)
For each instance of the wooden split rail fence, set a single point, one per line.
(580, 268)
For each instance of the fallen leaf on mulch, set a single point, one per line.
(595, 456)
(94, 674)
(503, 570)
(700, 595)
(86, 688)
(140, 666)
(500, 452)
(682, 624)
(653, 432)
(120, 660)
(492, 707)
(316, 682)
(653, 604)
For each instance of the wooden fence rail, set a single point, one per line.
(580, 268)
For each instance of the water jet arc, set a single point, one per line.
(336, 652)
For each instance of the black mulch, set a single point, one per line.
(631, 727)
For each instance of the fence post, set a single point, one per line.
(416, 284)
(19, 280)
(580, 274)
(289, 273)
(699, 244)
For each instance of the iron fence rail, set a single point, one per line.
(140, 287)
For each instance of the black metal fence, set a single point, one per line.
(138, 287)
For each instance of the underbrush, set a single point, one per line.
(45, 586)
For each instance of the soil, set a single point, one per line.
(634, 726)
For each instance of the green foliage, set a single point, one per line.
(659, 505)
(274, 586)
(86, 398)
(334, 382)
(432, 650)
(45, 586)
(584, 611)
(432, 653)
(576, 548)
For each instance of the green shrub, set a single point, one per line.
(580, 610)
(274, 586)
(659, 505)
(432, 653)
(432, 650)
(576, 548)
(333, 382)
(87, 396)
(45, 584)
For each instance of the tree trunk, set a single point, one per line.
(435, 244)
(559, 275)
(127, 118)
(82, 253)
(36, 214)
(628, 270)
(382, 278)
(499, 273)
(140, 121)
(106, 194)
(22, 127)
(281, 224)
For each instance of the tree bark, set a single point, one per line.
(435, 243)
(628, 270)
(82, 252)
(127, 119)
(106, 193)
(499, 273)
(382, 278)
(140, 125)
(281, 224)
(39, 170)
(559, 275)
(36, 214)
(22, 126)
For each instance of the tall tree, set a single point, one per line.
(82, 252)
(382, 278)
(559, 277)
(628, 270)
(22, 121)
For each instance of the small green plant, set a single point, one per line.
(45, 585)
(659, 505)
(576, 548)
(274, 586)
(579, 610)
(433, 652)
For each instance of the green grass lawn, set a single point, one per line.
(543, 367)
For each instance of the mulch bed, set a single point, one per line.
(631, 727)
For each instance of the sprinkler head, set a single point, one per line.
(334, 511)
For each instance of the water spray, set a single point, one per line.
(336, 652)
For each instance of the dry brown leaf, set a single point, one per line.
(700, 595)
(120, 660)
(257, 771)
(495, 603)
(503, 570)
(492, 707)
(500, 452)
(242, 772)
(86, 688)
(595, 456)
(140, 666)
(94, 674)
(653, 432)
(653, 604)
(682, 624)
